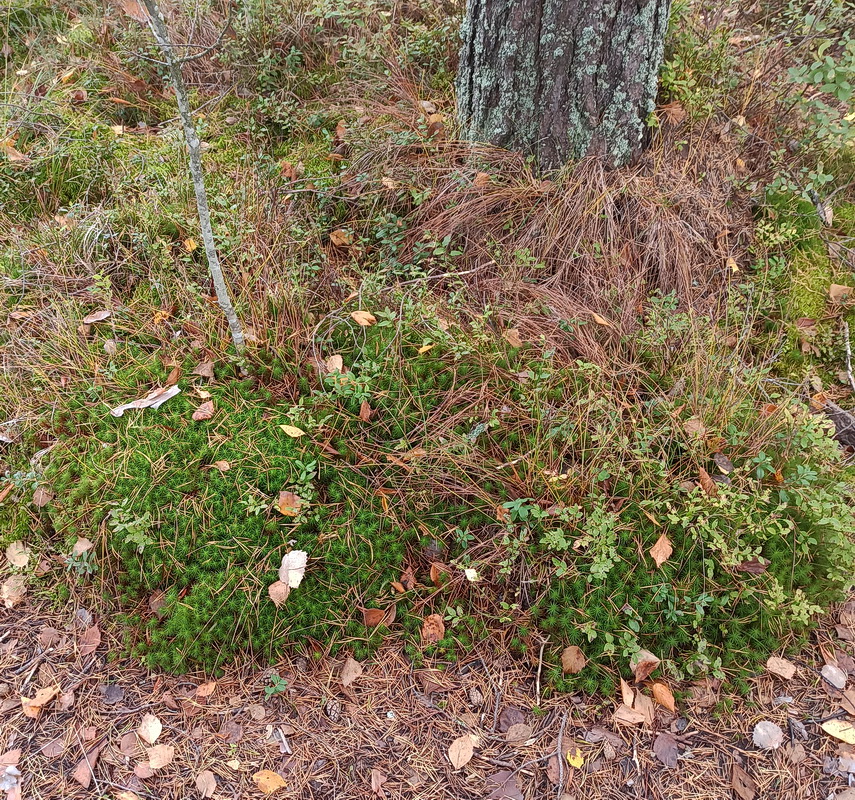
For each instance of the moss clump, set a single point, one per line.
(596, 481)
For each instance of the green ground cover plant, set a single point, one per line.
(579, 411)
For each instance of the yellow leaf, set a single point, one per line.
(600, 320)
(425, 347)
(190, 245)
(363, 318)
(840, 729)
(268, 781)
(575, 759)
(292, 431)
(732, 265)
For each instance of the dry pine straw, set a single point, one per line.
(392, 720)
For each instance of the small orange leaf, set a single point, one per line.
(363, 318)
(661, 550)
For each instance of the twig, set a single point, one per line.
(496, 706)
(560, 755)
(88, 762)
(848, 346)
(208, 49)
(540, 668)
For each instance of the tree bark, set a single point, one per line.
(194, 153)
(561, 79)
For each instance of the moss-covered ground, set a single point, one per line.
(454, 456)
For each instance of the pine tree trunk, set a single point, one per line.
(561, 79)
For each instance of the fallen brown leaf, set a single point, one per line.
(89, 641)
(573, 660)
(461, 750)
(160, 755)
(206, 783)
(150, 728)
(433, 629)
(351, 670)
(204, 411)
(83, 771)
(643, 663)
(268, 781)
(661, 550)
(663, 695)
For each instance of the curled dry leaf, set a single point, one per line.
(351, 670)
(644, 705)
(626, 693)
(512, 337)
(221, 466)
(268, 781)
(628, 716)
(461, 751)
(707, 483)
(341, 238)
(205, 411)
(293, 568)
(643, 663)
(154, 399)
(96, 316)
(781, 667)
(372, 617)
(363, 318)
(18, 554)
(601, 320)
(335, 363)
(767, 735)
(150, 728)
(573, 660)
(433, 629)
(661, 550)
(32, 706)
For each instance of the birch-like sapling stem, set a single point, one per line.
(194, 150)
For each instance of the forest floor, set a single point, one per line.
(518, 437)
(384, 729)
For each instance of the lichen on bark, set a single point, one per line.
(561, 79)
